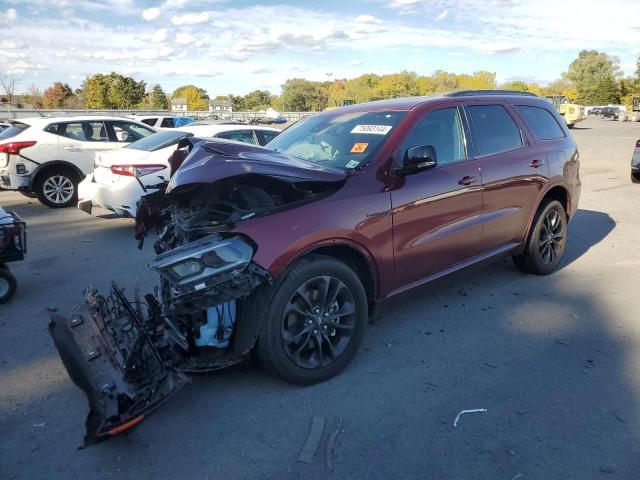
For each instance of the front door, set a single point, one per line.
(437, 212)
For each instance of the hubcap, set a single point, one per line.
(551, 242)
(318, 322)
(4, 287)
(58, 189)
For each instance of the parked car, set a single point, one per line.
(610, 113)
(13, 247)
(595, 111)
(289, 248)
(635, 164)
(47, 157)
(121, 177)
(163, 121)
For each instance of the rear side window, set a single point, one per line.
(13, 130)
(167, 123)
(495, 129)
(129, 132)
(541, 122)
(149, 121)
(85, 131)
(245, 136)
(265, 136)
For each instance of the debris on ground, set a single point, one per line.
(39, 425)
(313, 440)
(562, 342)
(463, 412)
(331, 444)
(607, 469)
(52, 309)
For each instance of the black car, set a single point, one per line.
(610, 113)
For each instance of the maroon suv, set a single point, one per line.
(288, 248)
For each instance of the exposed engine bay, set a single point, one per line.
(130, 355)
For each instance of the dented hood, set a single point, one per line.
(212, 160)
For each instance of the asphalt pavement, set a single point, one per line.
(555, 361)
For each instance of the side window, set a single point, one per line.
(129, 132)
(85, 131)
(53, 128)
(149, 121)
(167, 123)
(245, 136)
(541, 122)
(443, 130)
(265, 136)
(495, 129)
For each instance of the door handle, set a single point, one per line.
(536, 163)
(467, 180)
(72, 149)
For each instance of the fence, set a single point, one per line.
(16, 113)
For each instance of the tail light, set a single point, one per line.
(15, 147)
(136, 170)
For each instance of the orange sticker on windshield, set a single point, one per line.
(359, 147)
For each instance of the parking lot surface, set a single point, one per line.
(555, 361)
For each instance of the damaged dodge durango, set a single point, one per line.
(285, 250)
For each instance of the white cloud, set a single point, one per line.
(368, 19)
(190, 18)
(442, 15)
(11, 14)
(152, 13)
(159, 36)
(184, 38)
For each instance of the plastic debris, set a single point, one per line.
(463, 412)
(313, 440)
(331, 444)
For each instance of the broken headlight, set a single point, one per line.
(205, 262)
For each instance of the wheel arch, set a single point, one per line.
(557, 192)
(52, 165)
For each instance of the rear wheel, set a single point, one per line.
(57, 188)
(314, 321)
(8, 284)
(635, 177)
(546, 242)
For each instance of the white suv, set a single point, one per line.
(47, 157)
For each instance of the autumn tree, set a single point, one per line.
(302, 95)
(197, 98)
(517, 85)
(55, 95)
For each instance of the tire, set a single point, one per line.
(298, 361)
(48, 183)
(635, 177)
(537, 258)
(570, 125)
(8, 284)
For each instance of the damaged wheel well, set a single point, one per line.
(357, 261)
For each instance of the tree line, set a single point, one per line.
(593, 78)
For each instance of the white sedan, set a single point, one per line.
(121, 177)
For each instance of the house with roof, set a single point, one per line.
(220, 106)
(179, 105)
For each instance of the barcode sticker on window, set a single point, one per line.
(372, 129)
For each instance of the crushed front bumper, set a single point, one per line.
(109, 354)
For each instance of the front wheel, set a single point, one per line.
(314, 321)
(546, 242)
(8, 284)
(57, 188)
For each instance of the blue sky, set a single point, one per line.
(237, 46)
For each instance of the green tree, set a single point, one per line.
(517, 85)
(257, 100)
(113, 91)
(397, 85)
(157, 99)
(363, 88)
(300, 95)
(55, 95)
(197, 98)
(480, 80)
(594, 75)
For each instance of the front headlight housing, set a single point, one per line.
(210, 260)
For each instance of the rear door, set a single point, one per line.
(79, 141)
(514, 171)
(437, 213)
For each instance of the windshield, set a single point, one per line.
(342, 142)
(158, 141)
(13, 130)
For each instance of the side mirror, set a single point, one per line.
(418, 159)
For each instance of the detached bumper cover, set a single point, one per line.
(109, 355)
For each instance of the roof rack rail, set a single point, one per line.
(469, 93)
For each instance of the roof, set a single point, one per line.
(178, 101)
(409, 103)
(220, 101)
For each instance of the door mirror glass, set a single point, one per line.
(419, 158)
